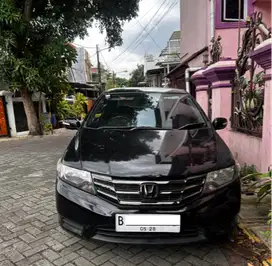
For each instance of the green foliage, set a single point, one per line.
(47, 128)
(247, 169)
(79, 105)
(77, 109)
(250, 111)
(137, 76)
(34, 36)
(64, 110)
(119, 82)
(109, 84)
(262, 184)
(32, 54)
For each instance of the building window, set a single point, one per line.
(230, 10)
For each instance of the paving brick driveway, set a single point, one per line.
(29, 231)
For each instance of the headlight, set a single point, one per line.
(217, 179)
(79, 178)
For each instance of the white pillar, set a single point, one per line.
(11, 116)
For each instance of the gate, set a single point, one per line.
(3, 119)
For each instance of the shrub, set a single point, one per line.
(79, 105)
(262, 185)
(47, 128)
(64, 110)
(247, 169)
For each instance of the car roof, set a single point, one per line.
(147, 89)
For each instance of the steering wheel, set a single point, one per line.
(119, 121)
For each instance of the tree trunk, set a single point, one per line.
(28, 10)
(39, 113)
(32, 119)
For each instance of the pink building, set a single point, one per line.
(227, 82)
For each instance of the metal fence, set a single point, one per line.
(248, 84)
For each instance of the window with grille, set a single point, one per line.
(230, 10)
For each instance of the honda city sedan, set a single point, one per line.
(146, 166)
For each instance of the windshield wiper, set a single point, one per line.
(122, 128)
(143, 127)
(192, 126)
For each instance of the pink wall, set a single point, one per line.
(246, 149)
(201, 97)
(230, 36)
(229, 41)
(264, 6)
(193, 15)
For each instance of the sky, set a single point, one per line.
(146, 34)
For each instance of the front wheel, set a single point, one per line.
(223, 232)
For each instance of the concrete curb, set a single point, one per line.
(57, 132)
(252, 234)
(254, 238)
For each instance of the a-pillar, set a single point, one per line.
(262, 56)
(220, 76)
(202, 86)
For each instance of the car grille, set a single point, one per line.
(127, 192)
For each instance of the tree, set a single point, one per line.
(120, 82)
(34, 54)
(109, 84)
(137, 75)
(116, 82)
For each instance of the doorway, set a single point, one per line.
(3, 118)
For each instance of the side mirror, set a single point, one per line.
(73, 125)
(78, 124)
(220, 123)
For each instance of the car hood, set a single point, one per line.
(139, 153)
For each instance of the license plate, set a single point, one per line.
(147, 223)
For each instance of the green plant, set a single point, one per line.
(247, 169)
(261, 183)
(250, 108)
(47, 128)
(64, 110)
(78, 106)
(136, 76)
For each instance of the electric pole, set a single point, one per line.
(98, 68)
(113, 78)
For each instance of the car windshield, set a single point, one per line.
(152, 110)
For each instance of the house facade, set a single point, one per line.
(80, 75)
(13, 121)
(226, 64)
(156, 69)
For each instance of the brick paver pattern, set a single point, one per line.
(29, 229)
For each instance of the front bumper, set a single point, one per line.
(92, 217)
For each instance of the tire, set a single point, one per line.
(224, 232)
